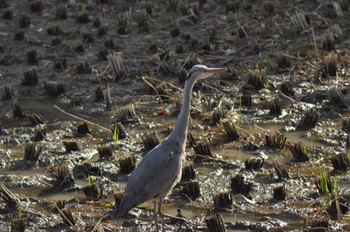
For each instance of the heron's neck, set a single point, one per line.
(181, 126)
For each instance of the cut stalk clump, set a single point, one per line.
(116, 62)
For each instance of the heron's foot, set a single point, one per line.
(171, 217)
(181, 219)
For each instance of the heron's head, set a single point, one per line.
(198, 72)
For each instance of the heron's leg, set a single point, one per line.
(156, 215)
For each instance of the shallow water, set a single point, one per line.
(220, 177)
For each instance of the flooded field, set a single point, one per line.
(87, 88)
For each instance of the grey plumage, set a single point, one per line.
(160, 170)
(162, 174)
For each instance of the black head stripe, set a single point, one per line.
(190, 73)
(195, 69)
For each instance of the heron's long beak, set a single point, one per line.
(210, 71)
(216, 70)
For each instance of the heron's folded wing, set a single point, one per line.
(156, 173)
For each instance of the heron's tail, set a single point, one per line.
(115, 214)
(123, 208)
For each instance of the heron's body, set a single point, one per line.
(165, 174)
(160, 170)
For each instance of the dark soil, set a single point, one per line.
(270, 137)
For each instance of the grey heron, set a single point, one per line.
(160, 170)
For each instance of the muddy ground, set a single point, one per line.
(268, 150)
